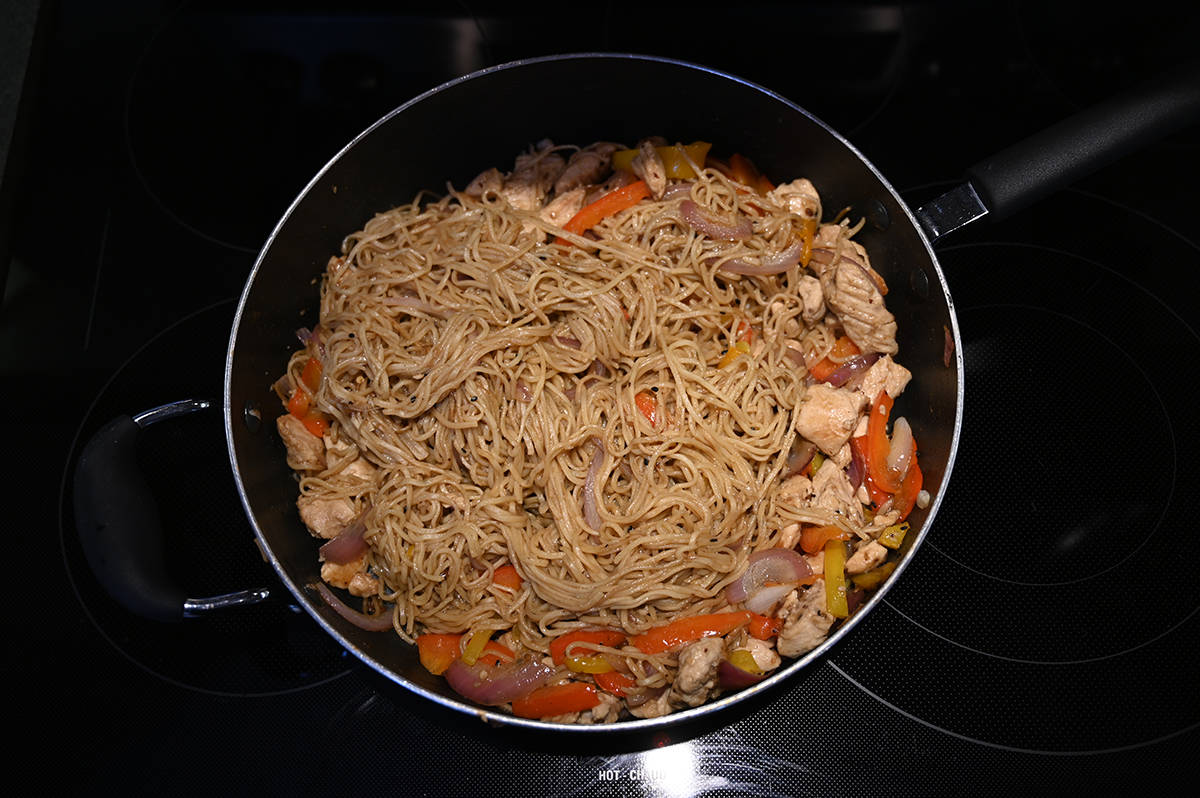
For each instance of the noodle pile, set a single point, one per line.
(567, 409)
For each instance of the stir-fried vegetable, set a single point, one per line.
(556, 699)
(614, 682)
(835, 579)
(893, 536)
(507, 576)
(673, 157)
(843, 349)
(647, 403)
(813, 539)
(614, 201)
(689, 630)
(437, 651)
(609, 638)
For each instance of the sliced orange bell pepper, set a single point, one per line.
(879, 444)
(843, 349)
(675, 165)
(614, 201)
(689, 630)
(611, 638)
(814, 538)
(556, 699)
(507, 576)
(763, 628)
(311, 375)
(437, 652)
(647, 402)
(906, 498)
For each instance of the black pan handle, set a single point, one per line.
(119, 525)
(1066, 152)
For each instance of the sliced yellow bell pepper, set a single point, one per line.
(673, 159)
(475, 646)
(744, 660)
(893, 536)
(732, 353)
(596, 664)
(874, 577)
(835, 579)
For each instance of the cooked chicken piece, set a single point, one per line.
(855, 298)
(806, 622)
(789, 536)
(799, 197)
(305, 451)
(813, 299)
(883, 520)
(828, 416)
(532, 177)
(796, 489)
(359, 470)
(843, 457)
(816, 562)
(325, 518)
(586, 166)
(559, 210)
(884, 374)
(654, 708)
(698, 665)
(648, 165)
(868, 555)
(488, 181)
(763, 653)
(832, 490)
(351, 576)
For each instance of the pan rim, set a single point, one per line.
(491, 715)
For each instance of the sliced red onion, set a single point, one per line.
(700, 221)
(495, 685)
(850, 372)
(900, 455)
(768, 565)
(523, 392)
(376, 623)
(305, 335)
(731, 677)
(349, 545)
(591, 513)
(677, 190)
(857, 468)
(801, 454)
(597, 369)
(854, 600)
(569, 342)
(764, 599)
(776, 263)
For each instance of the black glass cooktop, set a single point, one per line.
(1044, 639)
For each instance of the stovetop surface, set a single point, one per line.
(1043, 640)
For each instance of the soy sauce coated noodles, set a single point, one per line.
(606, 434)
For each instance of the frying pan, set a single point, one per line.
(453, 132)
